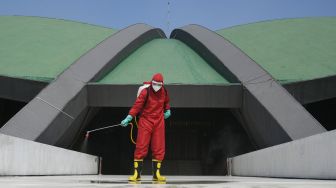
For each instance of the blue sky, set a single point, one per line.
(214, 14)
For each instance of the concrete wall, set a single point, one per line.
(24, 157)
(184, 96)
(311, 157)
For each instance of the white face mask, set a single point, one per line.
(156, 88)
(156, 85)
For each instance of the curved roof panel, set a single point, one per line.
(41, 48)
(291, 49)
(178, 63)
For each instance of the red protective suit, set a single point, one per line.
(151, 122)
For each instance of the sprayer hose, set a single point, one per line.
(131, 133)
(136, 121)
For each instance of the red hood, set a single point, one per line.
(158, 77)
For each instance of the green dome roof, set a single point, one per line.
(290, 49)
(175, 60)
(41, 48)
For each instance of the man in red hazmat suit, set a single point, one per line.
(152, 105)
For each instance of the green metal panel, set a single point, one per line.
(41, 48)
(175, 60)
(291, 49)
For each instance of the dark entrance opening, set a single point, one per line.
(198, 141)
(324, 111)
(8, 108)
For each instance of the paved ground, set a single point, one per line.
(173, 182)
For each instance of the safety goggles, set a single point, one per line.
(157, 83)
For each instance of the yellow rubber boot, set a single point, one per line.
(137, 171)
(156, 165)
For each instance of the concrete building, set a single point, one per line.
(252, 100)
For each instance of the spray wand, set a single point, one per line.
(107, 127)
(102, 128)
